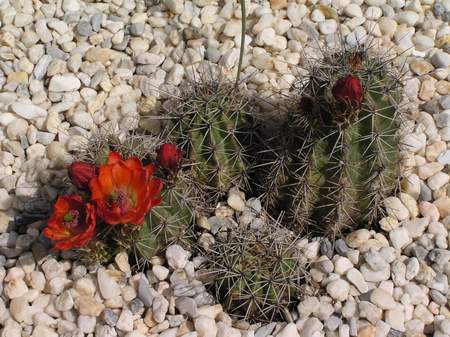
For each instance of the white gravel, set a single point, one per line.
(67, 67)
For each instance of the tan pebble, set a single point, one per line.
(420, 67)
(7, 39)
(434, 150)
(278, 4)
(148, 319)
(443, 205)
(429, 210)
(20, 77)
(427, 89)
(87, 305)
(368, 331)
(389, 223)
(443, 87)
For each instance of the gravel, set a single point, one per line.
(68, 67)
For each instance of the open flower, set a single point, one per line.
(348, 89)
(72, 223)
(81, 173)
(124, 190)
(169, 158)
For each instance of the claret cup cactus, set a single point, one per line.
(336, 156)
(209, 121)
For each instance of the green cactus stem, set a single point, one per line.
(334, 162)
(209, 124)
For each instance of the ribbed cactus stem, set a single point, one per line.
(211, 121)
(332, 169)
(166, 223)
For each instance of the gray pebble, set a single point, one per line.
(438, 8)
(84, 28)
(41, 67)
(425, 192)
(431, 107)
(122, 45)
(57, 53)
(445, 102)
(136, 29)
(136, 305)
(326, 248)
(186, 305)
(96, 21)
(110, 317)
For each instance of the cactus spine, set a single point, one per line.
(335, 162)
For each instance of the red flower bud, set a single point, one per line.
(81, 173)
(349, 90)
(169, 157)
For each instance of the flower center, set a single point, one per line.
(119, 199)
(71, 218)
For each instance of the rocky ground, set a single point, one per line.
(69, 66)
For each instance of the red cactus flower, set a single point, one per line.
(124, 190)
(348, 89)
(81, 173)
(169, 158)
(72, 223)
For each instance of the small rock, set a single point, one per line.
(289, 330)
(338, 289)
(356, 278)
(28, 110)
(205, 326)
(399, 237)
(177, 257)
(441, 59)
(382, 299)
(396, 209)
(108, 286)
(125, 321)
(62, 83)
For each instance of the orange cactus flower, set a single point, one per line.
(72, 223)
(124, 190)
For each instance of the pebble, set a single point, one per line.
(289, 330)
(382, 299)
(357, 279)
(177, 257)
(205, 326)
(63, 83)
(441, 59)
(338, 289)
(69, 67)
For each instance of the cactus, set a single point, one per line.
(209, 122)
(165, 224)
(257, 275)
(335, 160)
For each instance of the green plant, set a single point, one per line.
(335, 156)
(165, 224)
(209, 121)
(257, 275)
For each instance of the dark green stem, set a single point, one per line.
(241, 51)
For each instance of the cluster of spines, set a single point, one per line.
(329, 169)
(257, 275)
(209, 121)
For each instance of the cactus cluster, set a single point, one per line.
(324, 169)
(335, 156)
(257, 274)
